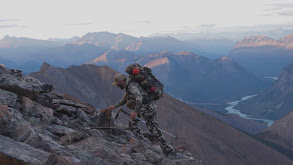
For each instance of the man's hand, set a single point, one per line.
(133, 115)
(110, 108)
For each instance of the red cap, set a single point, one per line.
(153, 89)
(135, 71)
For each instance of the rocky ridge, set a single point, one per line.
(257, 41)
(38, 126)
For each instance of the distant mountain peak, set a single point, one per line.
(226, 58)
(45, 67)
(256, 41)
(186, 53)
(157, 62)
(107, 40)
(16, 42)
(166, 52)
(7, 37)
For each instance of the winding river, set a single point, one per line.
(231, 110)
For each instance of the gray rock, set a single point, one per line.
(66, 109)
(27, 86)
(15, 72)
(73, 137)
(84, 117)
(59, 130)
(8, 98)
(19, 153)
(5, 115)
(57, 121)
(68, 102)
(33, 109)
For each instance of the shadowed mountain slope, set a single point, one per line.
(280, 135)
(274, 102)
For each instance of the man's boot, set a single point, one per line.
(168, 150)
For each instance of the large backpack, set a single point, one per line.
(144, 77)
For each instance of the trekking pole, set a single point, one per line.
(118, 113)
(145, 123)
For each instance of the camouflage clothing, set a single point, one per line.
(145, 108)
(134, 97)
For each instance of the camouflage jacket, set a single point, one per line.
(134, 96)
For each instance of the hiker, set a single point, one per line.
(137, 99)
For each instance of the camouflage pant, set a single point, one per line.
(148, 112)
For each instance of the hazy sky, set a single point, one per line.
(66, 18)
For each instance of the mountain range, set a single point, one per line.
(142, 45)
(216, 80)
(119, 50)
(263, 55)
(211, 140)
(27, 43)
(29, 54)
(259, 54)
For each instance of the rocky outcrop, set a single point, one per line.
(258, 41)
(11, 80)
(41, 127)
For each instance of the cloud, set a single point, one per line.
(273, 8)
(281, 5)
(4, 23)
(207, 25)
(279, 9)
(286, 13)
(81, 24)
(8, 20)
(280, 13)
(144, 22)
(9, 26)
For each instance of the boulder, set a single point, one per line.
(59, 130)
(12, 152)
(36, 110)
(5, 115)
(84, 117)
(27, 86)
(8, 98)
(73, 137)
